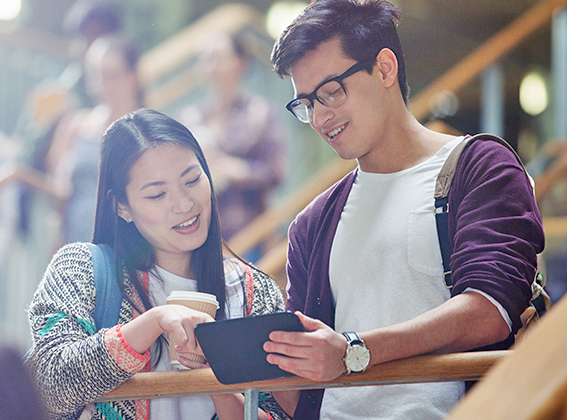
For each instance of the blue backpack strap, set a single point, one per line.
(442, 222)
(108, 296)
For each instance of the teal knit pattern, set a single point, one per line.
(108, 411)
(51, 321)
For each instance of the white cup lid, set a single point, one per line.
(198, 296)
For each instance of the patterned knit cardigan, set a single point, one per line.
(74, 364)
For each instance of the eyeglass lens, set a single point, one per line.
(331, 94)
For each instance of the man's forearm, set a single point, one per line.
(464, 322)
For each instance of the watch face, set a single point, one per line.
(357, 358)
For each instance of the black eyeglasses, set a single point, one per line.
(331, 93)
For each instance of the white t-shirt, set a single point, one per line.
(385, 268)
(188, 408)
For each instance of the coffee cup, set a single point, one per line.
(203, 302)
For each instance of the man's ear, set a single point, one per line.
(387, 65)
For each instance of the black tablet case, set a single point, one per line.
(233, 347)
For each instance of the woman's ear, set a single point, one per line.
(122, 212)
(121, 209)
(387, 65)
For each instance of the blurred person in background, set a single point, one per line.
(48, 102)
(111, 75)
(72, 159)
(242, 136)
(86, 21)
(30, 228)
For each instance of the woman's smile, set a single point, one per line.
(188, 225)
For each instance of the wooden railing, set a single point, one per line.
(454, 80)
(555, 227)
(487, 54)
(438, 368)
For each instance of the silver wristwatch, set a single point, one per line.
(357, 356)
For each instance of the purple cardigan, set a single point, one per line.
(494, 223)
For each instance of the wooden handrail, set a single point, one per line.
(555, 227)
(437, 368)
(527, 383)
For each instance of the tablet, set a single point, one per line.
(233, 347)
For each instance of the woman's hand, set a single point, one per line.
(316, 354)
(141, 332)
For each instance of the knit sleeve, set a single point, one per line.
(264, 296)
(71, 361)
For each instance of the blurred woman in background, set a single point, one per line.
(72, 159)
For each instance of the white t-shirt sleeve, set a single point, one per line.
(500, 308)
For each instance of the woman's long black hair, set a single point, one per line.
(122, 145)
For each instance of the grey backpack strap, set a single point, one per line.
(447, 172)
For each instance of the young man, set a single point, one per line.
(364, 256)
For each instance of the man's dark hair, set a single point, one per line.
(365, 27)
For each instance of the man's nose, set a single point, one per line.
(320, 114)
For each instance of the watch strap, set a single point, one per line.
(352, 338)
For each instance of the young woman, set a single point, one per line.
(156, 209)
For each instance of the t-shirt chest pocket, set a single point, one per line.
(424, 255)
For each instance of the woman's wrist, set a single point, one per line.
(142, 331)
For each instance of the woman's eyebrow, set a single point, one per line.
(189, 169)
(152, 184)
(157, 183)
